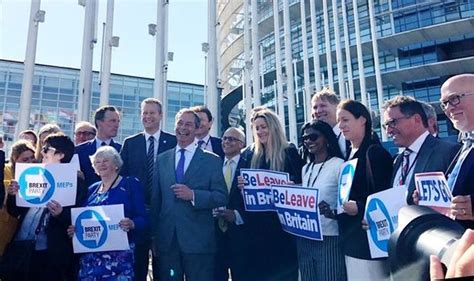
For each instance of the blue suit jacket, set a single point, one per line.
(216, 144)
(193, 225)
(435, 155)
(133, 154)
(465, 183)
(84, 150)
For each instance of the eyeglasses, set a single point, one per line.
(311, 137)
(47, 148)
(231, 139)
(394, 122)
(453, 100)
(85, 133)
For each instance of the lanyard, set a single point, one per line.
(317, 175)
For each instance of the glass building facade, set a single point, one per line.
(54, 98)
(420, 44)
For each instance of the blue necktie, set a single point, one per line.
(180, 167)
(150, 163)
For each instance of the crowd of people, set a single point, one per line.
(182, 193)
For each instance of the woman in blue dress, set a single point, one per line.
(114, 189)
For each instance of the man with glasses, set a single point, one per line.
(406, 123)
(83, 132)
(230, 227)
(457, 102)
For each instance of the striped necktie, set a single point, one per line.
(405, 166)
(150, 165)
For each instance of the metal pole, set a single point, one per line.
(165, 65)
(289, 74)
(307, 82)
(255, 54)
(328, 45)
(378, 75)
(85, 76)
(107, 59)
(339, 59)
(360, 56)
(262, 77)
(28, 74)
(350, 92)
(314, 38)
(247, 91)
(278, 60)
(213, 97)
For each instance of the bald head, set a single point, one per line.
(457, 98)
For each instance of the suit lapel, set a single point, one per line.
(142, 146)
(193, 165)
(396, 166)
(422, 158)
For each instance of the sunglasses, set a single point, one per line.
(311, 137)
(231, 139)
(46, 148)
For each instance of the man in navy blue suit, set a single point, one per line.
(203, 139)
(457, 100)
(107, 122)
(139, 153)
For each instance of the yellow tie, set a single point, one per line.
(228, 174)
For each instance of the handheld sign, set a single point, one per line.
(433, 190)
(98, 230)
(257, 188)
(381, 214)
(41, 183)
(345, 183)
(298, 211)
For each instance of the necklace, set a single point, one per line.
(317, 175)
(103, 185)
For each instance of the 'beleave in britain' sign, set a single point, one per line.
(345, 183)
(381, 213)
(97, 229)
(257, 188)
(298, 211)
(41, 183)
(433, 190)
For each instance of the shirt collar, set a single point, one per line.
(99, 141)
(336, 130)
(155, 135)
(205, 139)
(236, 159)
(416, 145)
(190, 148)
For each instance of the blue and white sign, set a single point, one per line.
(298, 211)
(345, 183)
(97, 229)
(433, 190)
(381, 214)
(41, 183)
(257, 188)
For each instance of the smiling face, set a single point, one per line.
(105, 166)
(185, 129)
(462, 114)
(232, 143)
(404, 130)
(151, 117)
(51, 155)
(325, 111)
(315, 141)
(261, 130)
(352, 128)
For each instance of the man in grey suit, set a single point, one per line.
(406, 123)
(190, 185)
(139, 153)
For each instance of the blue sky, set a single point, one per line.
(60, 36)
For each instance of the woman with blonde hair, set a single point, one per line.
(22, 151)
(273, 251)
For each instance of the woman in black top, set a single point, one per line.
(373, 173)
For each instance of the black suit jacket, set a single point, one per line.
(2, 187)
(216, 144)
(465, 183)
(435, 155)
(133, 154)
(84, 150)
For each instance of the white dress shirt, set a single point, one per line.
(207, 143)
(341, 140)
(415, 148)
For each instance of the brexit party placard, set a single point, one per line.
(41, 183)
(257, 188)
(97, 229)
(298, 211)
(381, 214)
(433, 190)
(345, 183)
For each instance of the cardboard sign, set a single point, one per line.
(345, 183)
(98, 230)
(257, 188)
(41, 183)
(298, 211)
(433, 190)
(381, 213)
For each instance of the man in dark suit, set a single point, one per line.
(203, 139)
(457, 100)
(190, 185)
(406, 123)
(107, 121)
(232, 246)
(2, 166)
(139, 153)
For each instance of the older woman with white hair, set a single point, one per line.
(114, 189)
